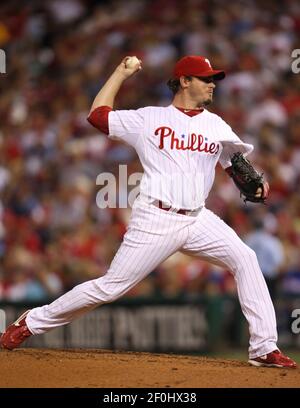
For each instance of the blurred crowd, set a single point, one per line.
(58, 54)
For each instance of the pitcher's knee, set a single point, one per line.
(249, 253)
(244, 257)
(108, 292)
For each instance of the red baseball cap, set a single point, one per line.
(194, 65)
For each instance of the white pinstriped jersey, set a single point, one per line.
(178, 152)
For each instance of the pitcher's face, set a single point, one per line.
(201, 90)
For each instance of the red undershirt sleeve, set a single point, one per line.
(99, 118)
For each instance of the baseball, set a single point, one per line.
(132, 61)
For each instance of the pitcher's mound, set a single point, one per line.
(109, 369)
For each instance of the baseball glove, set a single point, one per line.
(247, 179)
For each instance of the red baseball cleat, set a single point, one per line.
(16, 333)
(273, 359)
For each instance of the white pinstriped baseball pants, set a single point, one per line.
(152, 236)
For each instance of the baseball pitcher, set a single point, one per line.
(179, 147)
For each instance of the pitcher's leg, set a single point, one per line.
(71, 305)
(140, 252)
(212, 239)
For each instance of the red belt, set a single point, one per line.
(162, 206)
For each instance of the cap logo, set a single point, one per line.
(207, 60)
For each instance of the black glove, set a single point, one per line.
(247, 179)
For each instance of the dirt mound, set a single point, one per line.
(109, 369)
